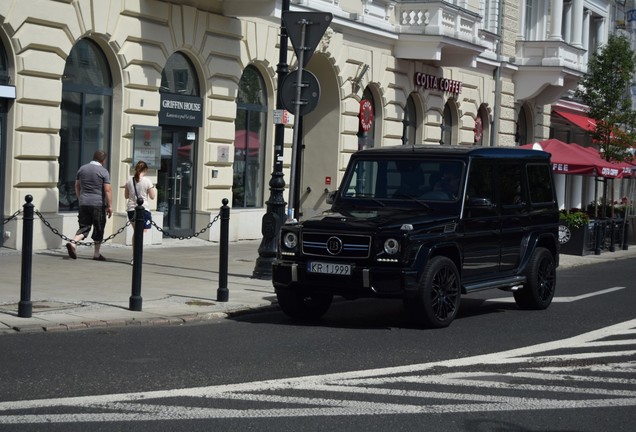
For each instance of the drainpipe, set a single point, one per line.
(497, 77)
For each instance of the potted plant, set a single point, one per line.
(574, 232)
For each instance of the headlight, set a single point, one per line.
(391, 246)
(290, 240)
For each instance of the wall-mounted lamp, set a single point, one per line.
(355, 81)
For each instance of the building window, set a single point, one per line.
(366, 128)
(524, 122)
(409, 123)
(86, 115)
(490, 12)
(179, 76)
(447, 126)
(4, 66)
(249, 140)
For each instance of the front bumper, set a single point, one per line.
(364, 281)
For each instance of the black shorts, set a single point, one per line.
(92, 217)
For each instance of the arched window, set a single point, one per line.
(448, 124)
(249, 141)
(409, 123)
(86, 115)
(178, 76)
(481, 127)
(522, 134)
(368, 120)
(4, 66)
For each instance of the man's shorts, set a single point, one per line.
(92, 217)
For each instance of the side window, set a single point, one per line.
(480, 195)
(511, 185)
(540, 183)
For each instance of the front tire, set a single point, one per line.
(539, 290)
(304, 306)
(439, 294)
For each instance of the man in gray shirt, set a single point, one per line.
(92, 186)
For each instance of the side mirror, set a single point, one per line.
(479, 202)
(331, 195)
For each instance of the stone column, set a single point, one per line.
(577, 24)
(555, 20)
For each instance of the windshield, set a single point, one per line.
(390, 182)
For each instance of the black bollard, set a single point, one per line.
(222, 293)
(25, 306)
(138, 252)
(625, 234)
(597, 237)
(612, 246)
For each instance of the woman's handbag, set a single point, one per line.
(147, 214)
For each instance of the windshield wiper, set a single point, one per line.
(417, 200)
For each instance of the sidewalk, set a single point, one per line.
(179, 284)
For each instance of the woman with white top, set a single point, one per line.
(139, 186)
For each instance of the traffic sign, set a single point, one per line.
(309, 92)
(305, 29)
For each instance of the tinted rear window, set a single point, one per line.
(540, 183)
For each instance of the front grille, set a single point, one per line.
(336, 245)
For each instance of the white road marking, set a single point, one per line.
(377, 391)
(562, 299)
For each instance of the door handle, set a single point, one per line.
(176, 188)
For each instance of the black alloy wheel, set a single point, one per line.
(439, 297)
(539, 290)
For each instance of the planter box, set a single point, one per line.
(576, 241)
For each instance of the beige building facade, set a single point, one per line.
(191, 86)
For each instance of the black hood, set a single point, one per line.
(376, 219)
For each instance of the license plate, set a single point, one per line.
(329, 268)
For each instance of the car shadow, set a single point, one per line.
(370, 314)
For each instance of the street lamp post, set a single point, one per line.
(275, 215)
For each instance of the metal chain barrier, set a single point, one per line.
(10, 218)
(119, 231)
(65, 238)
(196, 234)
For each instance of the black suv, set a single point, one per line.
(426, 224)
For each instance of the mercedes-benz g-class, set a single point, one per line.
(426, 224)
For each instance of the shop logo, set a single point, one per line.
(366, 115)
(564, 234)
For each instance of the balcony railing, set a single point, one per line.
(550, 53)
(438, 18)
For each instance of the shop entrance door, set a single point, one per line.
(175, 184)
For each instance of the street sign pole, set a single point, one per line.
(297, 103)
(305, 31)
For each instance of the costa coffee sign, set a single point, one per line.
(431, 82)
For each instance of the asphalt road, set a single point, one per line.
(363, 367)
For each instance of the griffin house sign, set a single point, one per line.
(431, 82)
(180, 110)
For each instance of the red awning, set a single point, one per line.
(624, 169)
(582, 121)
(575, 159)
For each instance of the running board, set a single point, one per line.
(509, 284)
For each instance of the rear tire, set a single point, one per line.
(437, 302)
(304, 306)
(539, 290)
